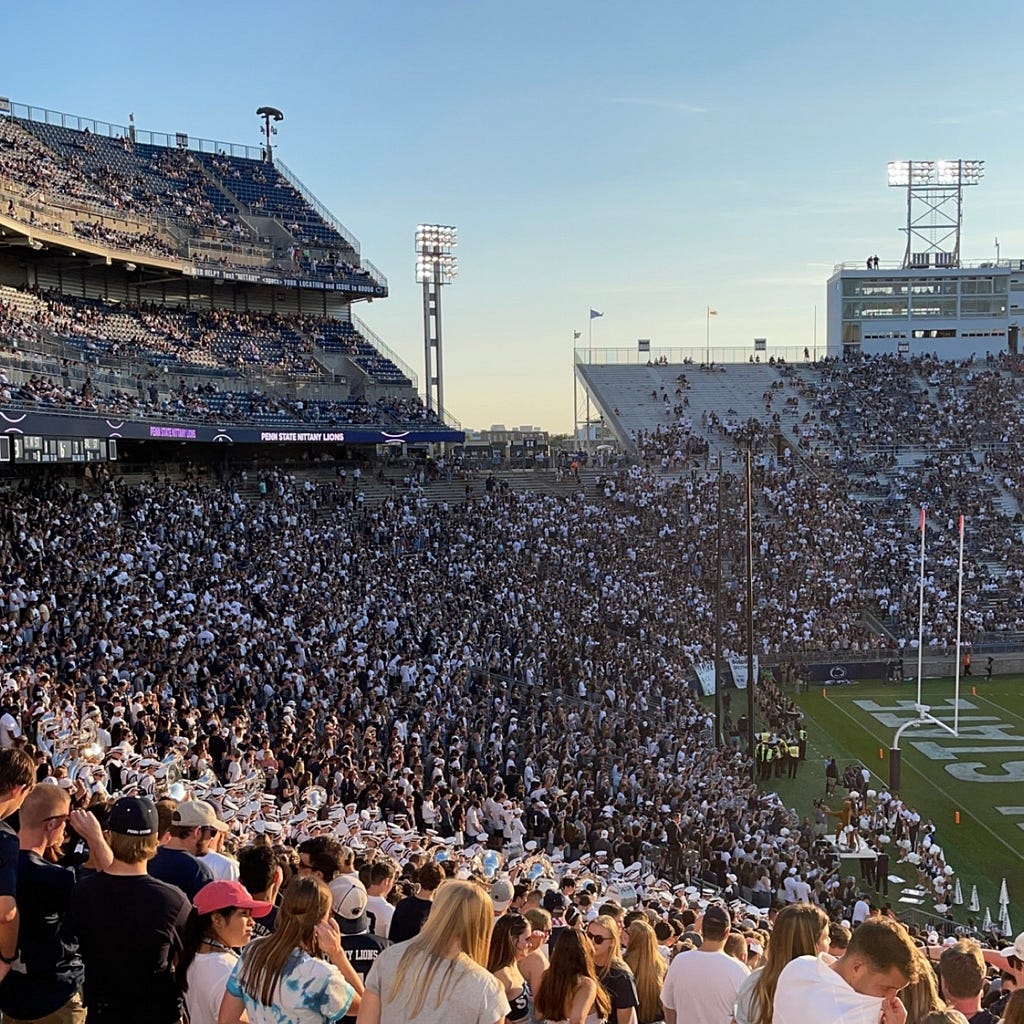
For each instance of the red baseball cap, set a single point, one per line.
(224, 895)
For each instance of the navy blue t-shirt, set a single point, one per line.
(180, 868)
(8, 861)
(130, 930)
(48, 970)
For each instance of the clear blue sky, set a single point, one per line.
(645, 160)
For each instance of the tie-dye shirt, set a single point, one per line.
(310, 991)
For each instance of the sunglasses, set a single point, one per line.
(597, 940)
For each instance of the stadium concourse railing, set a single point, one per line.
(696, 355)
(61, 362)
(66, 211)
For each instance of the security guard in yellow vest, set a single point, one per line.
(794, 757)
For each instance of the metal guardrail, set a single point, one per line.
(989, 264)
(108, 130)
(322, 210)
(697, 355)
(373, 271)
(384, 350)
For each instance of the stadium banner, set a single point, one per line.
(738, 666)
(706, 676)
(836, 673)
(30, 427)
(348, 284)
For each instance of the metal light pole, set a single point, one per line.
(751, 682)
(269, 114)
(436, 265)
(718, 608)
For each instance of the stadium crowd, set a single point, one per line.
(93, 175)
(879, 435)
(290, 672)
(96, 231)
(159, 338)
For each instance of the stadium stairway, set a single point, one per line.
(636, 392)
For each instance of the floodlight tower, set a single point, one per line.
(436, 265)
(935, 203)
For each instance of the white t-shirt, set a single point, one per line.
(223, 869)
(10, 730)
(701, 986)
(809, 990)
(382, 913)
(207, 980)
(861, 909)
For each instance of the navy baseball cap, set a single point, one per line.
(133, 816)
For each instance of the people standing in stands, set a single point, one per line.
(382, 881)
(962, 974)
(536, 962)
(569, 990)
(510, 942)
(222, 924)
(362, 947)
(612, 971)
(46, 979)
(701, 984)
(861, 987)
(131, 927)
(411, 912)
(440, 974)
(178, 862)
(17, 777)
(262, 877)
(281, 979)
(801, 929)
(644, 959)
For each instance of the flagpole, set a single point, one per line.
(959, 612)
(575, 394)
(707, 336)
(590, 359)
(920, 617)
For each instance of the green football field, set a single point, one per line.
(979, 773)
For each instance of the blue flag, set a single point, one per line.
(594, 314)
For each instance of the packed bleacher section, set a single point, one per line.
(858, 448)
(124, 355)
(498, 725)
(203, 201)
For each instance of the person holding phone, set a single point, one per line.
(281, 979)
